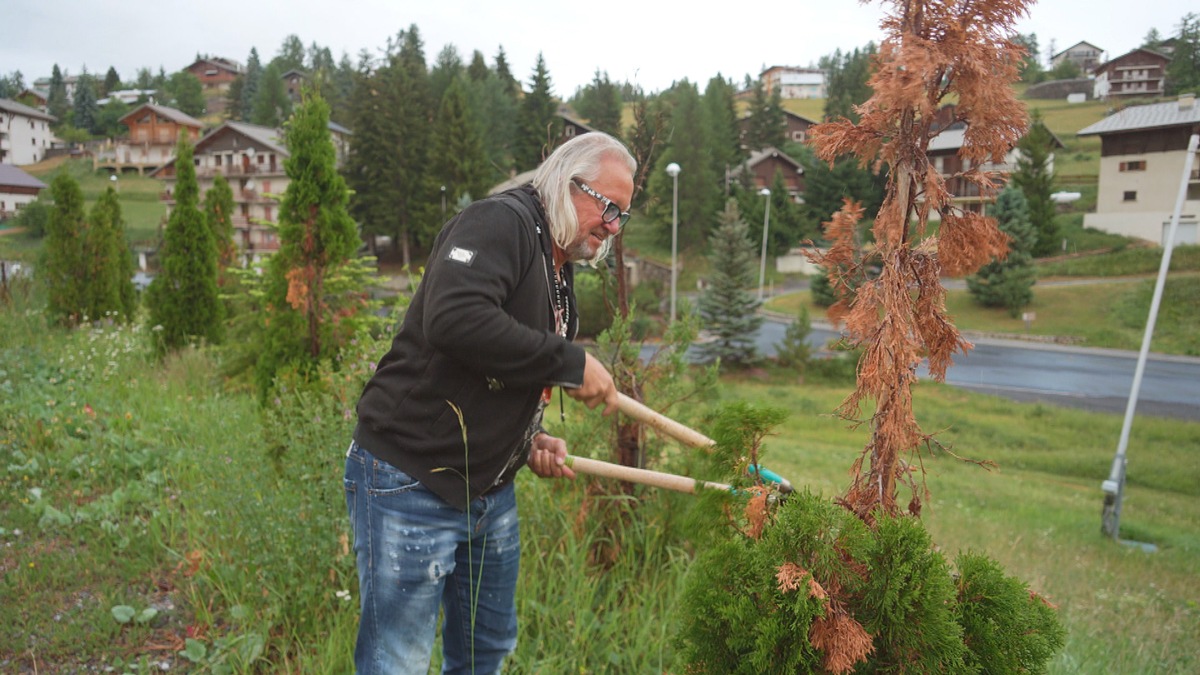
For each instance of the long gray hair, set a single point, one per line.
(578, 158)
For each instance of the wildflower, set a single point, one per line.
(343, 595)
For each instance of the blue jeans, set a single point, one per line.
(416, 553)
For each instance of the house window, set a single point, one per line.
(1138, 165)
(1130, 196)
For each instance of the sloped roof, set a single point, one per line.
(1144, 117)
(953, 136)
(11, 106)
(1081, 42)
(1112, 62)
(798, 116)
(759, 156)
(169, 113)
(337, 128)
(271, 138)
(12, 176)
(220, 62)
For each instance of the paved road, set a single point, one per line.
(1094, 379)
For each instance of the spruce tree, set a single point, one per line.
(447, 68)
(407, 87)
(316, 237)
(63, 251)
(183, 302)
(1183, 71)
(767, 126)
(699, 189)
(504, 74)
(112, 81)
(459, 161)
(371, 161)
(108, 270)
(727, 309)
(540, 126)
(495, 111)
(1008, 282)
(218, 213)
(1035, 177)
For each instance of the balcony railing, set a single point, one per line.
(238, 170)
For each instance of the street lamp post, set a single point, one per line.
(762, 264)
(673, 172)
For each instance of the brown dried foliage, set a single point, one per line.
(934, 49)
(842, 641)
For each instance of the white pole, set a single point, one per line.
(762, 264)
(1114, 487)
(673, 170)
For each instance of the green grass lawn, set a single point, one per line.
(139, 491)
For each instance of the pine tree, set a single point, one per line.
(504, 74)
(316, 237)
(218, 214)
(63, 251)
(112, 81)
(85, 111)
(447, 68)
(407, 87)
(727, 309)
(108, 270)
(187, 92)
(847, 81)
(767, 126)
(540, 127)
(56, 99)
(251, 80)
(600, 104)
(1035, 177)
(478, 71)
(1183, 72)
(699, 190)
(271, 103)
(459, 161)
(721, 124)
(183, 302)
(495, 111)
(369, 166)
(1009, 282)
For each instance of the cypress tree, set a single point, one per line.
(316, 236)
(727, 309)
(109, 264)
(1008, 282)
(218, 213)
(183, 301)
(63, 252)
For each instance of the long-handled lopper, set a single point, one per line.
(679, 432)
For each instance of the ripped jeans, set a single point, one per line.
(416, 553)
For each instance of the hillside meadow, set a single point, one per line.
(144, 526)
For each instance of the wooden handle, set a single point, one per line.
(662, 423)
(659, 479)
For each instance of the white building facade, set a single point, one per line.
(25, 134)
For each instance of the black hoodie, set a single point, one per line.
(479, 334)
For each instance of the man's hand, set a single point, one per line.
(548, 456)
(598, 386)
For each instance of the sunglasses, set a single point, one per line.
(611, 210)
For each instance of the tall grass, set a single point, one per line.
(125, 482)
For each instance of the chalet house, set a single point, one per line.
(25, 134)
(1083, 54)
(17, 189)
(797, 126)
(34, 98)
(1142, 154)
(153, 132)
(215, 72)
(764, 164)
(216, 75)
(1140, 73)
(293, 80)
(943, 154)
(251, 158)
(794, 82)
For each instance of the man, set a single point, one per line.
(454, 409)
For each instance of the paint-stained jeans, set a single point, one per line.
(415, 553)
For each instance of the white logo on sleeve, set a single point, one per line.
(461, 255)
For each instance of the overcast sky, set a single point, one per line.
(646, 42)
